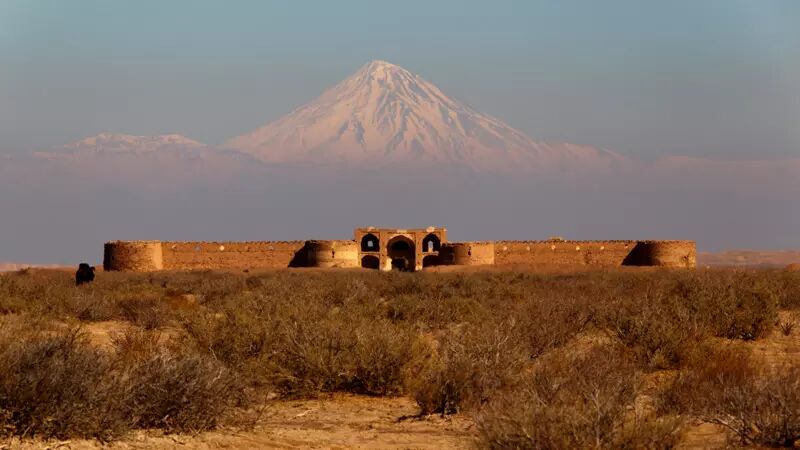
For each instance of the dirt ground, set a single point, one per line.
(335, 422)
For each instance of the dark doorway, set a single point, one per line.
(399, 264)
(370, 262)
(370, 243)
(402, 253)
(431, 243)
(430, 260)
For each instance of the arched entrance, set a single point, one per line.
(431, 243)
(370, 262)
(370, 243)
(402, 253)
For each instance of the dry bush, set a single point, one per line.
(787, 324)
(366, 357)
(663, 316)
(148, 313)
(709, 369)
(786, 327)
(658, 330)
(56, 384)
(734, 305)
(545, 324)
(783, 285)
(300, 347)
(723, 386)
(582, 401)
(237, 338)
(178, 392)
(472, 364)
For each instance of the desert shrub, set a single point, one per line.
(435, 310)
(327, 355)
(57, 386)
(147, 312)
(581, 401)
(177, 392)
(708, 370)
(659, 330)
(733, 305)
(785, 285)
(788, 323)
(472, 364)
(237, 338)
(545, 324)
(87, 307)
(724, 386)
(303, 345)
(382, 352)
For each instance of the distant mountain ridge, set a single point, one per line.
(11, 267)
(384, 113)
(383, 116)
(122, 144)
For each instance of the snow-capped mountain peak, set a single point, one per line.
(121, 143)
(384, 113)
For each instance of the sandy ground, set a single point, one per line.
(336, 422)
(749, 258)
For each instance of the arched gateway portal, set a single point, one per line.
(405, 249)
(402, 253)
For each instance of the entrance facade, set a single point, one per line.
(399, 249)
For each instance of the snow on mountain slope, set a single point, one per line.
(384, 113)
(105, 144)
(147, 160)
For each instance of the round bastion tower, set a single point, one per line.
(133, 256)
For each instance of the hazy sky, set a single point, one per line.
(712, 78)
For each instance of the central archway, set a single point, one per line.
(402, 253)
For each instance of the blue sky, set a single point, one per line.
(715, 78)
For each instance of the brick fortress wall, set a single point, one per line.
(144, 256)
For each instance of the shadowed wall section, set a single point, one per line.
(663, 254)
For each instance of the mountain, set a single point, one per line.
(385, 114)
(112, 144)
(150, 161)
(11, 267)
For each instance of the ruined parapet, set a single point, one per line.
(328, 254)
(467, 254)
(133, 256)
(679, 254)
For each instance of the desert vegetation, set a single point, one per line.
(621, 359)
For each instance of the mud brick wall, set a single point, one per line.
(233, 255)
